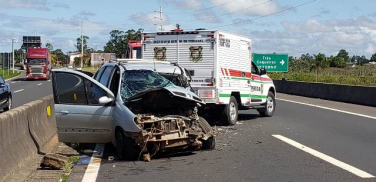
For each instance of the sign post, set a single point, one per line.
(272, 62)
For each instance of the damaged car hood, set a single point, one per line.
(175, 91)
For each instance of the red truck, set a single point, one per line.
(38, 64)
(133, 50)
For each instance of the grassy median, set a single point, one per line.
(363, 76)
(6, 75)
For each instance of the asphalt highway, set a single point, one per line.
(24, 91)
(306, 140)
(299, 143)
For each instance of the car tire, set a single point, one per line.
(9, 104)
(230, 112)
(125, 146)
(269, 106)
(209, 144)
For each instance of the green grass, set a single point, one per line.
(327, 77)
(68, 167)
(5, 75)
(90, 69)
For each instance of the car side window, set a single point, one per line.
(106, 76)
(254, 69)
(94, 92)
(2, 80)
(78, 90)
(72, 91)
(98, 75)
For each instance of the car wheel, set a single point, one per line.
(9, 104)
(209, 144)
(269, 106)
(230, 113)
(125, 146)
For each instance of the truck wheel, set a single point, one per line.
(269, 106)
(230, 113)
(9, 104)
(209, 144)
(125, 146)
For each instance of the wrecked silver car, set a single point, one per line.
(138, 110)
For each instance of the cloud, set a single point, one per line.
(152, 20)
(61, 5)
(207, 16)
(356, 35)
(25, 4)
(248, 7)
(370, 49)
(184, 4)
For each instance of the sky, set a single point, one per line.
(295, 27)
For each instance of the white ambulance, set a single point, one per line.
(220, 68)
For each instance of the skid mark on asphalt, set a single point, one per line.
(18, 90)
(92, 170)
(328, 108)
(326, 158)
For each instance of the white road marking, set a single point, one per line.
(18, 90)
(39, 84)
(48, 80)
(328, 108)
(13, 82)
(92, 170)
(326, 158)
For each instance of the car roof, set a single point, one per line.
(157, 66)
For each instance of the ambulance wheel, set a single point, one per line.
(230, 113)
(269, 106)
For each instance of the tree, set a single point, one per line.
(336, 62)
(49, 46)
(318, 63)
(373, 58)
(60, 56)
(118, 42)
(85, 41)
(344, 55)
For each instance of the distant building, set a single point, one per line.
(97, 59)
(72, 56)
(351, 65)
(373, 63)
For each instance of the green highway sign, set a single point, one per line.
(272, 62)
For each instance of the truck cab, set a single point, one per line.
(38, 64)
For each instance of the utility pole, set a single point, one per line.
(160, 18)
(82, 48)
(13, 53)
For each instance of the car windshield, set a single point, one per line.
(137, 81)
(36, 61)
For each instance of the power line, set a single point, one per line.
(229, 12)
(194, 11)
(249, 20)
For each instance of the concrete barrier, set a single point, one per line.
(42, 124)
(16, 144)
(343, 93)
(25, 132)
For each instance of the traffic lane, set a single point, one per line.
(30, 91)
(244, 152)
(348, 138)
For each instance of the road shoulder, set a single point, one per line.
(351, 108)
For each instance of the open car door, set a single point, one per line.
(83, 107)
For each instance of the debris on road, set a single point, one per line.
(54, 161)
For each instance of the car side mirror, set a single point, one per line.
(262, 71)
(2, 85)
(105, 100)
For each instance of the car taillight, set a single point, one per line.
(206, 93)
